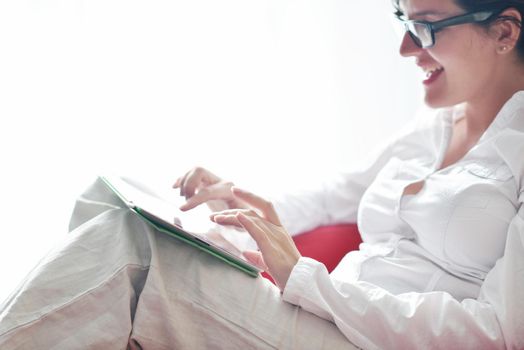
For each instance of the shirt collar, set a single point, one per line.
(503, 119)
(506, 115)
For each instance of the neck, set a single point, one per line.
(481, 111)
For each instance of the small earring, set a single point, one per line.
(504, 48)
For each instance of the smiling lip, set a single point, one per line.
(434, 76)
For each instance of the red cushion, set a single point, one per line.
(328, 244)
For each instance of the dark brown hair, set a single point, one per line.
(479, 5)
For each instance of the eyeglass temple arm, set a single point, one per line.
(469, 18)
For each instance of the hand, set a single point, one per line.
(199, 186)
(278, 253)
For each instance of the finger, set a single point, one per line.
(248, 212)
(229, 217)
(255, 258)
(193, 182)
(266, 207)
(255, 231)
(177, 182)
(182, 181)
(203, 195)
(209, 178)
(195, 201)
(226, 220)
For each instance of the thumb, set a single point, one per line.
(256, 258)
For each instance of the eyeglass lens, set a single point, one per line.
(420, 33)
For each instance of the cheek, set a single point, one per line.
(462, 47)
(467, 59)
(474, 67)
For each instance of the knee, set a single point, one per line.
(95, 200)
(114, 237)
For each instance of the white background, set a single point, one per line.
(268, 93)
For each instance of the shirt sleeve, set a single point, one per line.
(336, 200)
(332, 201)
(373, 318)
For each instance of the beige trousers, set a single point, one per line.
(116, 283)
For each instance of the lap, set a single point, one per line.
(202, 303)
(117, 280)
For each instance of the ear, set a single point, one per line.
(506, 30)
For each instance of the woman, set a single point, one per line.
(439, 209)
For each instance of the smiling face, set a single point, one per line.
(461, 65)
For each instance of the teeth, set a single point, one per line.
(433, 70)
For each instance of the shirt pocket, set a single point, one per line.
(497, 172)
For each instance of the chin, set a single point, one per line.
(432, 103)
(436, 99)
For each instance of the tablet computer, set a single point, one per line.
(193, 227)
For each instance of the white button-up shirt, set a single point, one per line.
(443, 268)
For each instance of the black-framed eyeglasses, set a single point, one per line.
(423, 32)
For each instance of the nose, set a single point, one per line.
(408, 47)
